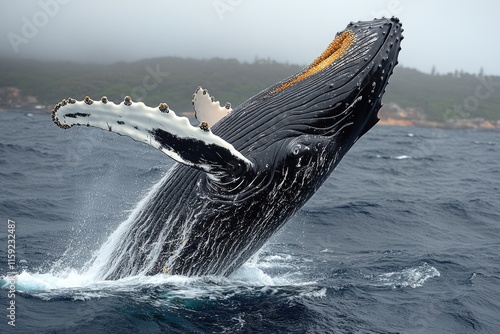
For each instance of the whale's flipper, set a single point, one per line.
(159, 127)
(206, 109)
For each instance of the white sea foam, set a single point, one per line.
(397, 157)
(318, 293)
(83, 285)
(409, 277)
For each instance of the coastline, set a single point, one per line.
(388, 120)
(452, 124)
(393, 114)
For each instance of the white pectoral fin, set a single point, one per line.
(159, 127)
(206, 109)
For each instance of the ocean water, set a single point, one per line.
(404, 237)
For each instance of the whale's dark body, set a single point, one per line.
(293, 133)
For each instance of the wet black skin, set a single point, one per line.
(294, 137)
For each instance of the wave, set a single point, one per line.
(413, 277)
(402, 157)
(73, 284)
(252, 278)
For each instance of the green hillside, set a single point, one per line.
(441, 97)
(170, 80)
(173, 80)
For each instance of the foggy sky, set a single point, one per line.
(459, 35)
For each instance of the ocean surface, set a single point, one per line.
(404, 237)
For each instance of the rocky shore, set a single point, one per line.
(393, 114)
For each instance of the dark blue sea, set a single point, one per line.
(404, 237)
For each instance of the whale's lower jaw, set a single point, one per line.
(242, 172)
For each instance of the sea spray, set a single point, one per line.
(97, 266)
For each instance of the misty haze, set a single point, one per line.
(459, 36)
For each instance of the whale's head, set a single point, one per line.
(310, 120)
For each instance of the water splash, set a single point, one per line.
(409, 277)
(251, 278)
(97, 266)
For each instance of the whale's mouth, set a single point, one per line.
(337, 48)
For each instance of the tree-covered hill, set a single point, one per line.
(173, 80)
(442, 97)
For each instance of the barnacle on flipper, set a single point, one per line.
(127, 100)
(204, 126)
(88, 100)
(55, 119)
(164, 107)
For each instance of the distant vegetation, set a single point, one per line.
(442, 97)
(173, 80)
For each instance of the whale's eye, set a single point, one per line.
(296, 150)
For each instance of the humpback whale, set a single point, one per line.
(243, 172)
